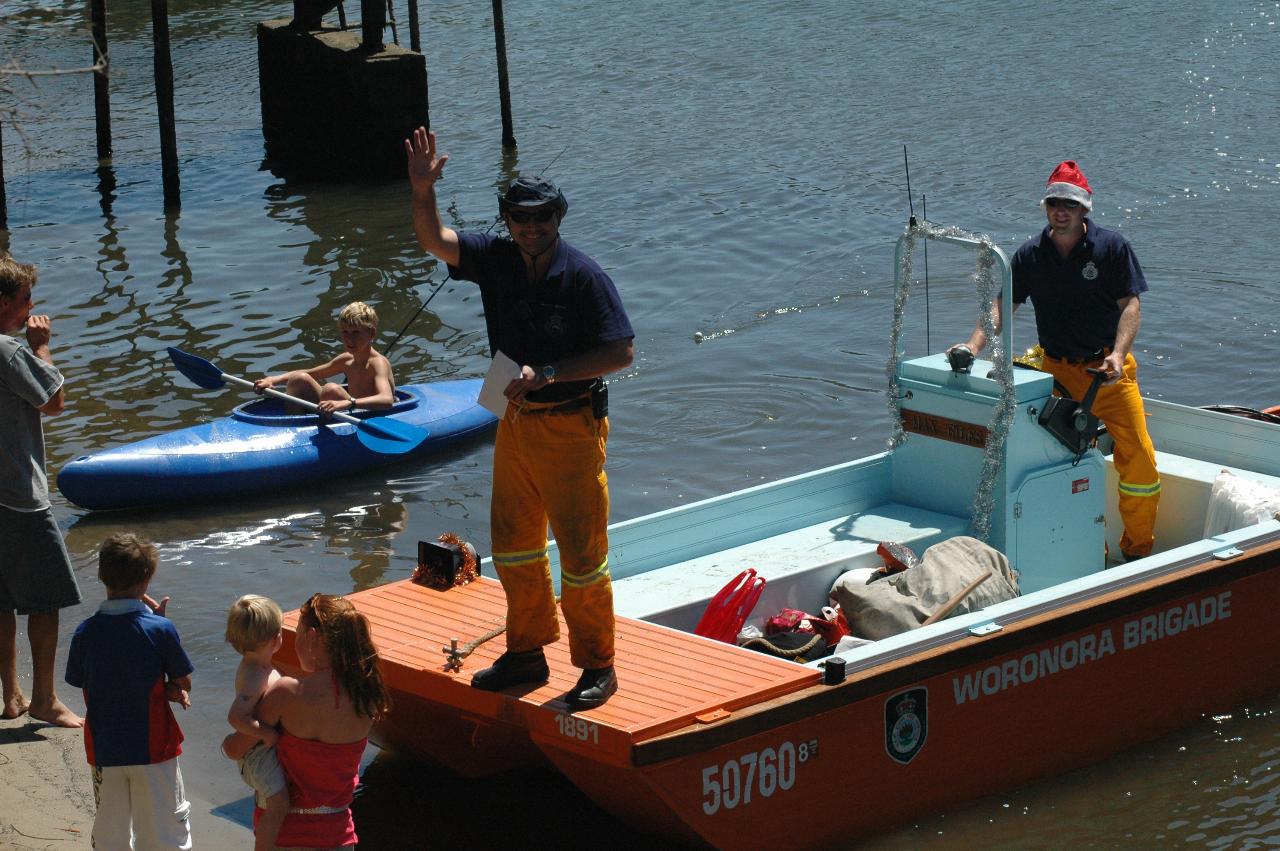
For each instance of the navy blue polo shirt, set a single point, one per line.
(574, 309)
(1076, 297)
(121, 658)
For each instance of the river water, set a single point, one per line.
(738, 169)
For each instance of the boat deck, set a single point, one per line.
(667, 679)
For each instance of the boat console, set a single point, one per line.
(939, 465)
(970, 439)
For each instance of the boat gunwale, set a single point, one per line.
(957, 648)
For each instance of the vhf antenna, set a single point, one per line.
(910, 203)
(906, 165)
(924, 211)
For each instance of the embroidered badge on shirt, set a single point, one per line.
(555, 325)
(1089, 272)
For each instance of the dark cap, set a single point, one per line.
(532, 192)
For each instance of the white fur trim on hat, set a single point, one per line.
(1069, 191)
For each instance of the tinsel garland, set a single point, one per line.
(1001, 372)
(468, 570)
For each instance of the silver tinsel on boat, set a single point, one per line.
(988, 288)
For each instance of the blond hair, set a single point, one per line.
(14, 276)
(125, 560)
(252, 621)
(360, 315)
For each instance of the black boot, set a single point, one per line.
(513, 669)
(595, 686)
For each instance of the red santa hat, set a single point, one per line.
(1068, 181)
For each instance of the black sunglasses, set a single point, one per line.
(522, 217)
(1061, 202)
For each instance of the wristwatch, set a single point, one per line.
(549, 374)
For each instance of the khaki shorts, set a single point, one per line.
(261, 770)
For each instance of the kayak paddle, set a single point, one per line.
(380, 434)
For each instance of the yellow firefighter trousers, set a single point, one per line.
(550, 467)
(1119, 406)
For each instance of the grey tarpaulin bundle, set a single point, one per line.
(902, 601)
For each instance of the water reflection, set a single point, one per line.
(278, 522)
(107, 194)
(367, 535)
(119, 387)
(360, 238)
(111, 255)
(179, 266)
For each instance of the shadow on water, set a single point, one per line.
(405, 803)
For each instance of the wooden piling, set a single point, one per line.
(415, 39)
(504, 90)
(373, 19)
(4, 208)
(101, 96)
(415, 44)
(303, 74)
(391, 21)
(164, 103)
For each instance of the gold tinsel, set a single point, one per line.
(467, 572)
(1032, 357)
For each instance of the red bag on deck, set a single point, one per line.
(729, 608)
(794, 620)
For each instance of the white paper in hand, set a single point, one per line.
(501, 372)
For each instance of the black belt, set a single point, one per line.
(563, 391)
(562, 408)
(1076, 358)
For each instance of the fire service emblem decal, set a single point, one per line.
(906, 724)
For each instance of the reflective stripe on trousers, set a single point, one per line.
(550, 468)
(1119, 405)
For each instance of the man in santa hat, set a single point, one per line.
(1085, 284)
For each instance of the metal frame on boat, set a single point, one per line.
(707, 743)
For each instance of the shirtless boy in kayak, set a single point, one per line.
(370, 383)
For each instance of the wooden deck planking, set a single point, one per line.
(666, 677)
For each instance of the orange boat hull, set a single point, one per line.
(706, 743)
(999, 714)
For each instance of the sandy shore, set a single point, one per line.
(46, 797)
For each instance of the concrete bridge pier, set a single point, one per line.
(332, 109)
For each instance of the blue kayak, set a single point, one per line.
(260, 447)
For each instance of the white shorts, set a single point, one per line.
(140, 806)
(261, 770)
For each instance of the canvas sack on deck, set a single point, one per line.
(1238, 501)
(902, 601)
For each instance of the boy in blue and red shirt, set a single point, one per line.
(130, 663)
